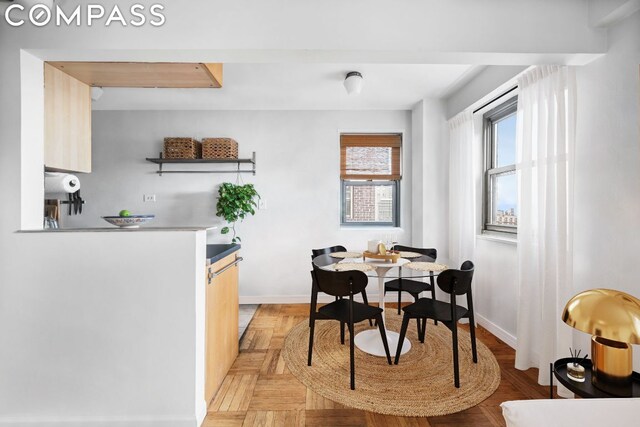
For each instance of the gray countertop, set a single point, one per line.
(217, 252)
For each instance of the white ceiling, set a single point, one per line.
(309, 86)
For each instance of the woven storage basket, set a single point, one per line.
(219, 148)
(182, 148)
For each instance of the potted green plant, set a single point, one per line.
(235, 202)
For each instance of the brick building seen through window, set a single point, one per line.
(370, 174)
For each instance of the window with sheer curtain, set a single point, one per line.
(370, 176)
(500, 183)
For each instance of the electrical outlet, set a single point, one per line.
(262, 204)
(149, 198)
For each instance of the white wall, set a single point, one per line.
(430, 177)
(32, 147)
(496, 293)
(298, 162)
(417, 175)
(603, 12)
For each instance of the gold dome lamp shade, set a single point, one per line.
(613, 319)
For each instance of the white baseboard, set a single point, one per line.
(496, 330)
(202, 413)
(167, 421)
(306, 299)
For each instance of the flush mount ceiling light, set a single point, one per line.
(96, 92)
(353, 83)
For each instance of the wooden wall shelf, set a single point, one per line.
(160, 161)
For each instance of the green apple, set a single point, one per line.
(124, 213)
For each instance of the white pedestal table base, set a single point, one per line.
(370, 342)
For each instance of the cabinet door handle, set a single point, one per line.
(212, 276)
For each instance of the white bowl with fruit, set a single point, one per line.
(126, 220)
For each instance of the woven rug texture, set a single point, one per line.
(421, 385)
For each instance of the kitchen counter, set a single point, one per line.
(106, 289)
(217, 252)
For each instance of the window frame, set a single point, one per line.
(356, 180)
(504, 109)
(395, 200)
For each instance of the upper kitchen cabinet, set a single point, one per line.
(67, 117)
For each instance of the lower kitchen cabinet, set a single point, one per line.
(221, 321)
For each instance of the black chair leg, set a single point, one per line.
(366, 302)
(311, 330)
(472, 330)
(399, 298)
(433, 296)
(352, 357)
(383, 335)
(342, 333)
(403, 332)
(456, 368)
(422, 328)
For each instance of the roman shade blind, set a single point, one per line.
(370, 157)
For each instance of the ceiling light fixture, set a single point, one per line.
(353, 83)
(96, 92)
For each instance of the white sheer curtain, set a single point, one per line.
(462, 170)
(545, 151)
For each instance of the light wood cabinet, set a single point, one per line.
(67, 122)
(221, 340)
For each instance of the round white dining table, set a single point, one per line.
(369, 340)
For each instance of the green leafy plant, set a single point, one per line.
(235, 202)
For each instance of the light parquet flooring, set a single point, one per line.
(259, 390)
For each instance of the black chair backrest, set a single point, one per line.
(457, 281)
(429, 252)
(340, 283)
(326, 251)
(323, 260)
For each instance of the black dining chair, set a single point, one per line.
(454, 283)
(345, 310)
(411, 286)
(328, 251)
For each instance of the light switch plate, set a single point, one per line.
(262, 204)
(149, 198)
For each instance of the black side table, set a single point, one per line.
(585, 389)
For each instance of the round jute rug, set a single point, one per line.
(421, 385)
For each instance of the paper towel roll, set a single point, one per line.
(60, 183)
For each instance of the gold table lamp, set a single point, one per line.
(613, 318)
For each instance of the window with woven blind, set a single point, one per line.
(370, 157)
(370, 172)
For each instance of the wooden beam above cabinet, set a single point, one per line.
(144, 74)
